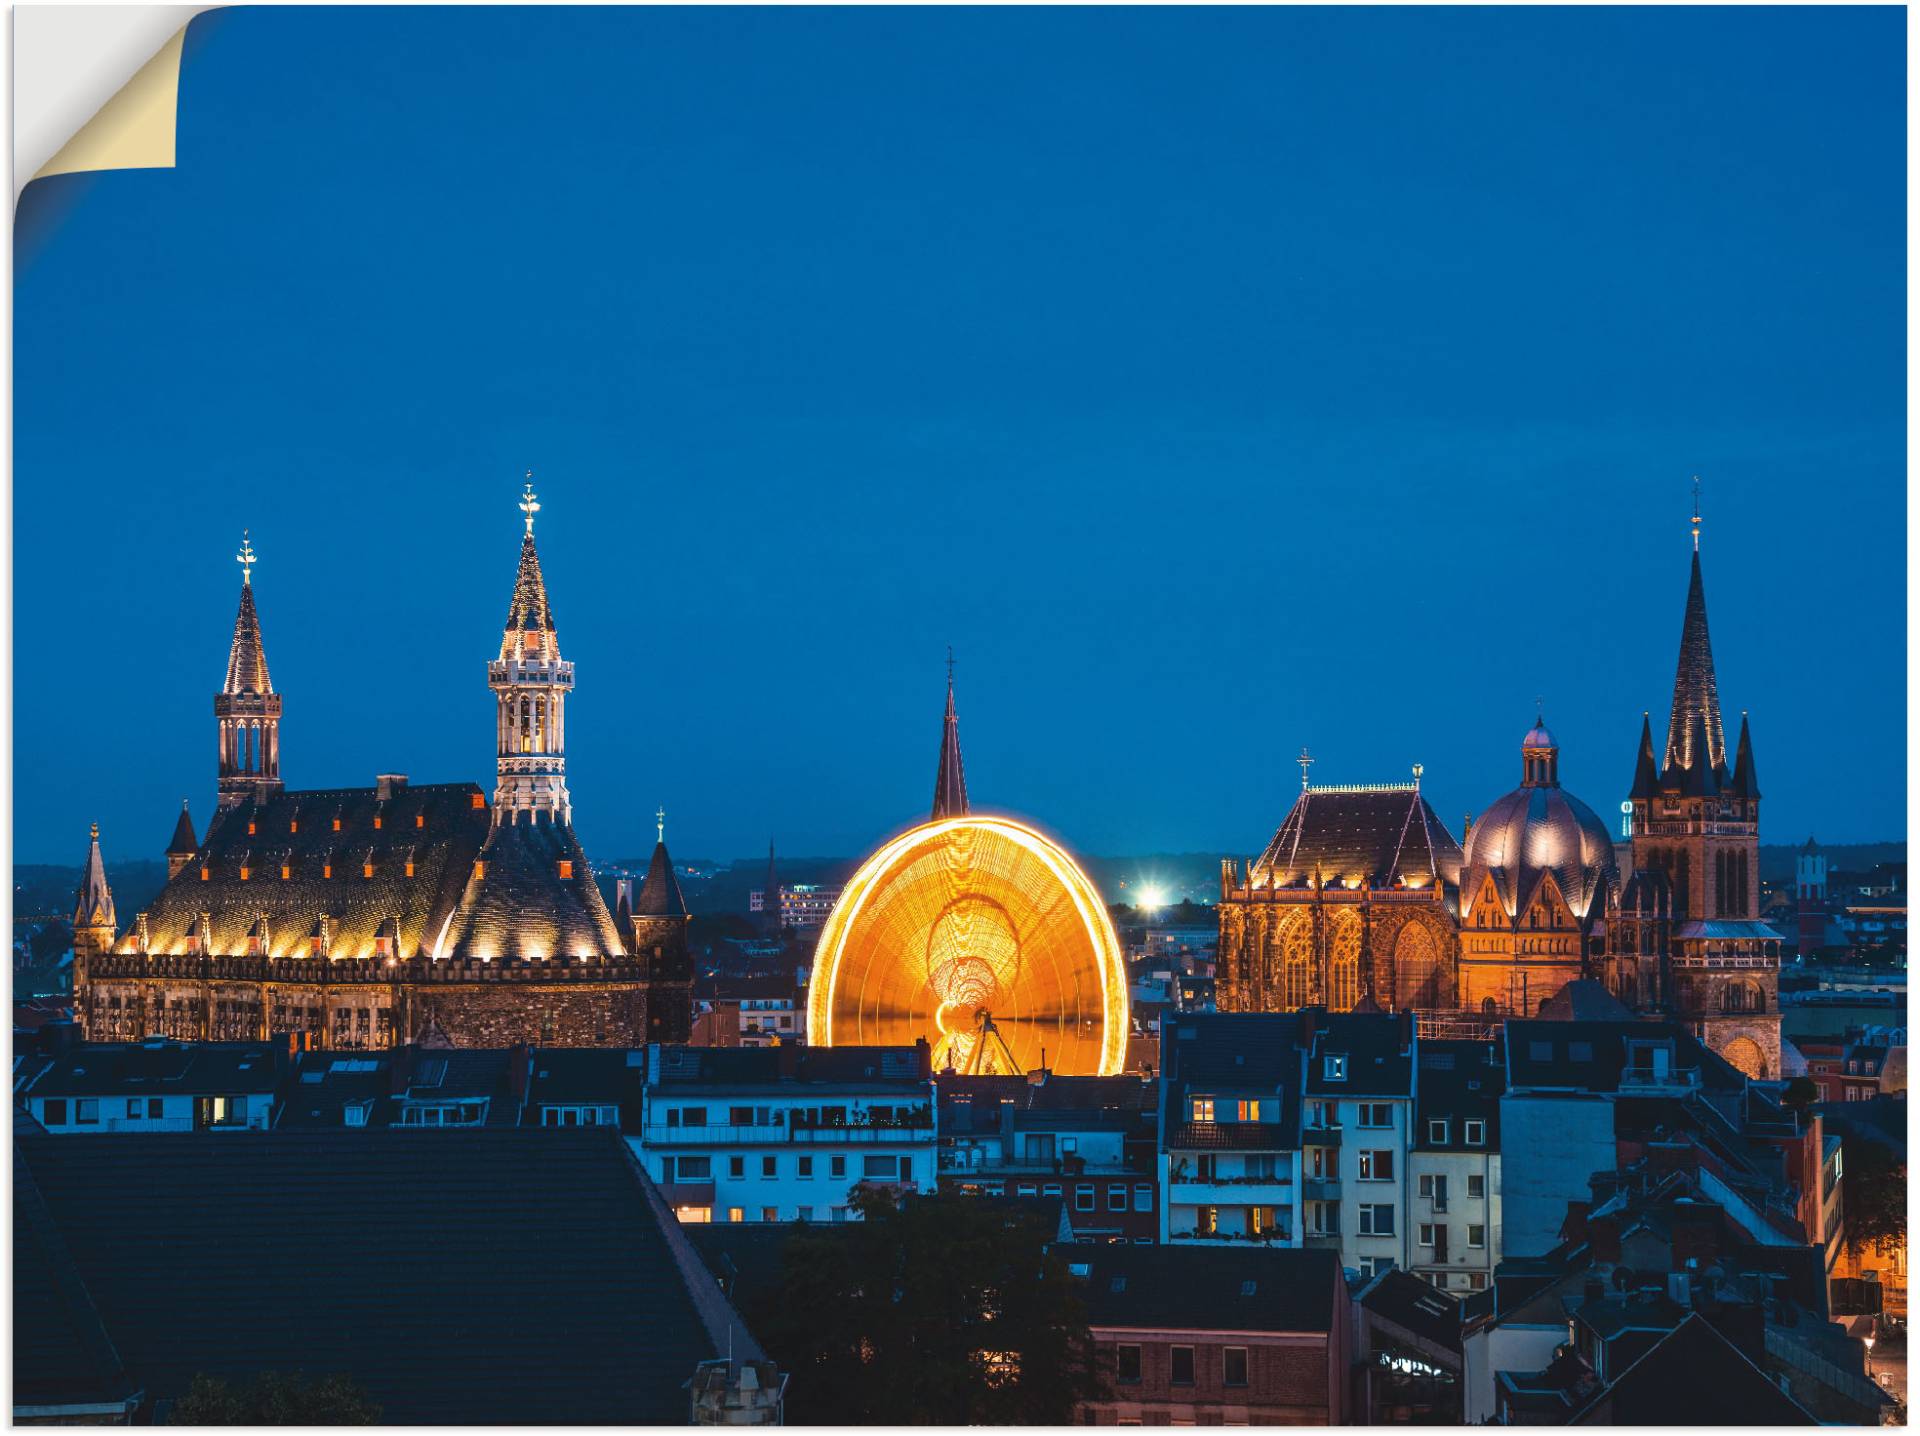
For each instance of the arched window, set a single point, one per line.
(1296, 957)
(1418, 979)
(1343, 960)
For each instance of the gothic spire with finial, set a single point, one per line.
(529, 630)
(247, 658)
(1694, 732)
(184, 843)
(950, 780)
(93, 902)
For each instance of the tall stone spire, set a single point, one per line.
(93, 901)
(950, 780)
(1646, 769)
(246, 706)
(1696, 694)
(530, 682)
(1746, 782)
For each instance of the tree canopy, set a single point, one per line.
(944, 1310)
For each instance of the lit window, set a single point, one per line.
(1376, 1165)
(1335, 1069)
(736, 1214)
(1203, 1109)
(1249, 1109)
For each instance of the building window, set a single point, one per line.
(1203, 1109)
(1335, 1067)
(1437, 1131)
(1116, 1199)
(1476, 1134)
(736, 1166)
(1376, 1114)
(1426, 1234)
(133, 1106)
(1083, 1199)
(1143, 1199)
(736, 1214)
(804, 1214)
(1126, 1363)
(1376, 1166)
(53, 1112)
(1426, 1184)
(769, 1214)
(1249, 1109)
(1376, 1219)
(806, 1166)
(1476, 1185)
(836, 1166)
(885, 1169)
(1476, 1236)
(1181, 1366)
(1233, 1364)
(769, 1167)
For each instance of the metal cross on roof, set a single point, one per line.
(1305, 760)
(1696, 513)
(530, 505)
(660, 823)
(246, 557)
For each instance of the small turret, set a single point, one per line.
(656, 931)
(950, 779)
(1646, 768)
(1746, 783)
(247, 706)
(184, 844)
(93, 920)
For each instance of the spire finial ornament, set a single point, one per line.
(530, 504)
(949, 665)
(1305, 760)
(245, 558)
(660, 824)
(95, 832)
(1696, 513)
(1418, 769)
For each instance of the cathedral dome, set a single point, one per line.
(1538, 736)
(1539, 830)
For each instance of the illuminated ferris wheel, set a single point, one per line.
(982, 936)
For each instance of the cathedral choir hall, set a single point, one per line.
(1364, 900)
(401, 912)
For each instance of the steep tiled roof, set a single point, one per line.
(444, 1271)
(529, 612)
(1376, 835)
(1403, 1298)
(660, 894)
(158, 1067)
(1692, 1377)
(247, 658)
(1207, 1288)
(523, 909)
(62, 1355)
(183, 843)
(437, 826)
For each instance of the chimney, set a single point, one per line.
(387, 784)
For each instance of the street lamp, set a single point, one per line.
(1868, 1339)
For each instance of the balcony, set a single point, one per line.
(1320, 1137)
(1230, 1191)
(725, 1134)
(1321, 1189)
(1322, 1241)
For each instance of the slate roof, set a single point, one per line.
(1585, 1000)
(1692, 1377)
(162, 1068)
(183, 843)
(1229, 1055)
(1593, 1055)
(93, 902)
(529, 612)
(1459, 1082)
(1207, 1288)
(565, 1075)
(62, 1355)
(324, 1084)
(660, 894)
(1375, 835)
(523, 910)
(1057, 1093)
(1406, 1300)
(1378, 1052)
(434, 824)
(449, 1273)
(721, 1067)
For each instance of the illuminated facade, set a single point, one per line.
(1364, 899)
(978, 934)
(367, 917)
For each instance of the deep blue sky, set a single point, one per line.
(1215, 381)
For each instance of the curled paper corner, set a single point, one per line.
(96, 87)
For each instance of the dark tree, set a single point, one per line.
(947, 1310)
(1873, 1194)
(1800, 1094)
(274, 1399)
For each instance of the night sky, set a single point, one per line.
(1214, 381)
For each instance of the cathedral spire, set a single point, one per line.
(950, 780)
(93, 901)
(660, 894)
(183, 845)
(1696, 694)
(530, 682)
(246, 705)
(1746, 783)
(1646, 768)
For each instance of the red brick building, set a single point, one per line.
(1217, 1337)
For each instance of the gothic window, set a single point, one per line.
(1343, 961)
(1743, 997)
(1417, 977)
(1296, 955)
